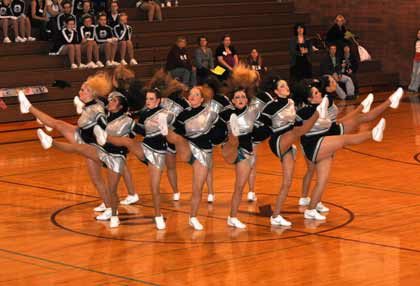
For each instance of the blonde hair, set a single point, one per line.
(100, 84)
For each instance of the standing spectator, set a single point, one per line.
(40, 18)
(113, 15)
(152, 8)
(19, 11)
(86, 10)
(7, 19)
(179, 65)
(106, 40)
(331, 65)
(53, 10)
(336, 34)
(69, 44)
(300, 50)
(255, 62)
(415, 75)
(226, 56)
(123, 32)
(350, 65)
(203, 60)
(88, 44)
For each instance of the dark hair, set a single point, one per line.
(214, 83)
(259, 58)
(332, 45)
(66, 2)
(68, 19)
(86, 16)
(224, 37)
(181, 38)
(114, 2)
(122, 99)
(270, 81)
(302, 91)
(155, 90)
(102, 14)
(297, 25)
(201, 37)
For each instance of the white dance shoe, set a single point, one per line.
(176, 196)
(195, 223)
(396, 97)
(130, 199)
(280, 221)
(313, 214)
(210, 198)
(321, 208)
(252, 197)
(45, 139)
(304, 201)
(235, 222)
(367, 103)
(100, 208)
(114, 222)
(106, 215)
(160, 222)
(24, 102)
(378, 131)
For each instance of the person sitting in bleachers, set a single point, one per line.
(337, 34)
(179, 65)
(88, 43)
(19, 11)
(226, 56)
(123, 32)
(69, 44)
(66, 8)
(152, 7)
(203, 60)
(331, 65)
(86, 10)
(113, 15)
(40, 18)
(350, 65)
(255, 62)
(7, 19)
(106, 40)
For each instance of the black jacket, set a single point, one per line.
(327, 66)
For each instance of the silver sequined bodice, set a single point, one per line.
(121, 126)
(247, 119)
(201, 123)
(284, 117)
(171, 106)
(90, 114)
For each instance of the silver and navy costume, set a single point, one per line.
(93, 114)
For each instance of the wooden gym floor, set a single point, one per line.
(48, 235)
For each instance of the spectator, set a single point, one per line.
(88, 44)
(226, 56)
(53, 10)
(255, 62)
(19, 11)
(113, 15)
(300, 50)
(415, 75)
(69, 44)
(86, 10)
(106, 40)
(350, 65)
(179, 65)
(40, 18)
(336, 34)
(331, 65)
(123, 32)
(152, 7)
(203, 60)
(7, 19)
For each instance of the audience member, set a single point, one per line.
(178, 63)
(7, 19)
(350, 65)
(19, 11)
(203, 60)
(226, 56)
(113, 15)
(123, 32)
(152, 7)
(86, 10)
(107, 42)
(336, 34)
(300, 50)
(69, 44)
(89, 46)
(415, 75)
(331, 65)
(40, 18)
(255, 61)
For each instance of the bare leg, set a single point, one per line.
(352, 123)
(288, 164)
(331, 144)
(158, 12)
(155, 175)
(28, 27)
(21, 23)
(323, 168)
(242, 174)
(95, 49)
(132, 145)
(171, 171)
(71, 53)
(130, 49)
(128, 180)
(77, 54)
(307, 179)
(123, 48)
(114, 48)
(113, 180)
(108, 51)
(15, 27)
(85, 150)
(150, 11)
(66, 129)
(5, 23)
(182, 146)
(209, 181)
(94, 169)
(199, 177)
(89, 51)
(352, 113)
(230, 149)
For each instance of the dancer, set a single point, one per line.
(111, 156)
(319, 147)
(192, 139)
(152, 150)
(346, 125)
(92, 114)
(279, 115)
